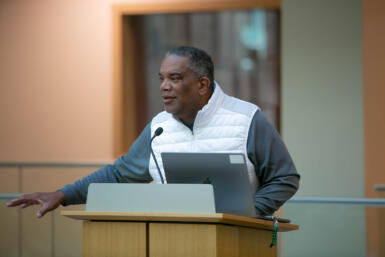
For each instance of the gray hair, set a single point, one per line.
(199, 61)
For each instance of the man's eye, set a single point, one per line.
(161, 79)
(175, 79)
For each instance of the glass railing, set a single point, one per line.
(22, 234)
(351, 227)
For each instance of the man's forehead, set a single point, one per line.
(174, 64)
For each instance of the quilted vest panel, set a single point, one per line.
(221, 126)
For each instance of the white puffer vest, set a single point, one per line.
(221, 126)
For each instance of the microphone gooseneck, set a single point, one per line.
(157, 132)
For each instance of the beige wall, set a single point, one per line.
(55, 80)
(322, 109)
(56, 89)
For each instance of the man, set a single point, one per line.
(198, 117)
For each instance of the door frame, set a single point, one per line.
(125, 113)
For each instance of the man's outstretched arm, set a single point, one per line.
(130, 168)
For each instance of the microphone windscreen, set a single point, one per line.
(158, 131)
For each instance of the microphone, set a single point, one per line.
(157, 132)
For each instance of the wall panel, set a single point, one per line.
(46, 179)
(68, 234)
(36, 234)
(9, 179)
(9, 217)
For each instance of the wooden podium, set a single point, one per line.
(129, 234)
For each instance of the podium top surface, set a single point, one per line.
(217, 218)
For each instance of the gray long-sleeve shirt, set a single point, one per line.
(274, 168)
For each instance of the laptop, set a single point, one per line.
(227, 172)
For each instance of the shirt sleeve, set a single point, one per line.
(130, 168)
(275, 170)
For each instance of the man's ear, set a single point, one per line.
(204, 86)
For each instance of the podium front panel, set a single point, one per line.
(209, 240)
(114, 239)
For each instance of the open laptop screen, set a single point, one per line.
(227, 172)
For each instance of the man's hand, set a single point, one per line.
(48, 201)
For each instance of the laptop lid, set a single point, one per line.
(227, 172)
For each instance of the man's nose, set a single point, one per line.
(165, 85)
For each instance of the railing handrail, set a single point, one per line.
(9, 196)
(339, 200)
(306, 200)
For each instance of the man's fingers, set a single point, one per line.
(49, 201)
(43, 210)
(22, 200)
(40, 214)
(16, 202)
(25, 205)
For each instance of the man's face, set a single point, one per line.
(180, 88)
